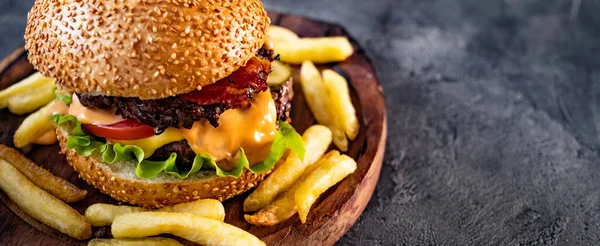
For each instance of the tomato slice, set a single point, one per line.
(128, 129)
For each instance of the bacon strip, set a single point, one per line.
(236, 90)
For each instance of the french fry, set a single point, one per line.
(151, 241)
(31, 100)
(208, 208)
(317, 139)
(284, 206)
(189, 226)
(34, 126)
(317, 50)
(279, 211)
(281, 33)
(337, 86)
(100, 214)
(41, 205)
(44, 179)
(324, 177)
(33, 81)
(319, 103)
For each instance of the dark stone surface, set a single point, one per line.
(494, 117)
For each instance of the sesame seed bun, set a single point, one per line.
(120, 182)
(148, 49)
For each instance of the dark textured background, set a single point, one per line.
(494, 117)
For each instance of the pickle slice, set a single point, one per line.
(280, 74)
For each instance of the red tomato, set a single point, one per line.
(128, 129)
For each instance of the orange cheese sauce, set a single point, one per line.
(47, 138)
(57, 107)
(252, 129)
(92, 116)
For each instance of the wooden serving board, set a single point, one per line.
(331, 216)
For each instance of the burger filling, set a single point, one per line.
(232, 92)
(228, 125)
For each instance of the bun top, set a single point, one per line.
(142, 48)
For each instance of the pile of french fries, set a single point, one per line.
(326, 92)
(34, 93)
(28, 95)
(295, 50)
(199, 221)
(41, 194)
(295, 185)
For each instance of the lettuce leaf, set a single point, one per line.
(286, 137)
(148, 169)
(62, 97)
(85, 145)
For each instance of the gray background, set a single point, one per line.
(494, 117)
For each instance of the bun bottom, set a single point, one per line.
(119, 181)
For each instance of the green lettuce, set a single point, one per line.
(85, 145)
(62, 97)
(285, 138)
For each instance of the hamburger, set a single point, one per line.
(163, 102)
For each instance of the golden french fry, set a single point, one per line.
(279, 211)
(318, 50)
(282, 33)
(151, 241)
(44, 179)
(41, 205)
(337, 86)
(208, 208)
(319, 103)
(34, 126)
(33, 81)
(324, 177)
(317, 139)
(101, 214)
(31, 100)
(284, 206)
(189, 226)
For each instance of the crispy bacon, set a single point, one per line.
(236, 90)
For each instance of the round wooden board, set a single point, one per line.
(331, 216)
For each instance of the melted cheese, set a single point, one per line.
(91, 115)
(252, 129)
(151, 144)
